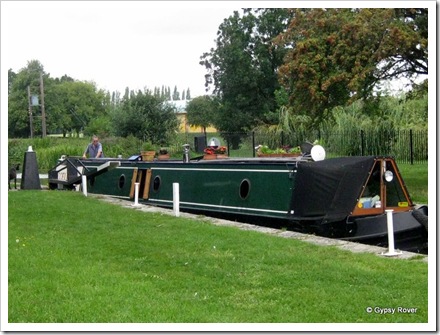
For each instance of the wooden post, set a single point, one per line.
(362, 142)
(31, 119)
(133, 181)
(253, 144)
(147, 184)
(43, 112)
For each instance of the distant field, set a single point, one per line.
(75, 259)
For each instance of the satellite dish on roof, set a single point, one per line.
(214, 142)
(317, 153)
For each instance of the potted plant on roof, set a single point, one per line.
(293, 152)
(163, 154)
(147, 152)
(215, 152)
(265, 151)
(286, 151)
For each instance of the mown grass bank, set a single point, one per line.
(416, 180)
(76, 259)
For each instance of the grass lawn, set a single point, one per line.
(416, 180)
(77, 259)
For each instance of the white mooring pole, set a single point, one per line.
(84, 184)
(176, 199)
(136, 194)
(390, 227)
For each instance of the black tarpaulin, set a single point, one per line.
(329, 189)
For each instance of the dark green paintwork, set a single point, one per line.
(209, 186)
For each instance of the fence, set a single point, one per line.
(406, 146)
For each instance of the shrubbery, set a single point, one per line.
(50, 149)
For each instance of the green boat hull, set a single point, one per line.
(323, 198)
(225, 188)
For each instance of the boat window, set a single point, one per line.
(156, 183)
(121, 182)
(371, 196)
(395, 194)
(245, 187)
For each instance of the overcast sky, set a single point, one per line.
(115, 44)
(124, 43)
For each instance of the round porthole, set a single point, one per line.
(121, 181)
(156, 183)
(245, 187)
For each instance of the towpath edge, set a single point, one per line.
(344, 245)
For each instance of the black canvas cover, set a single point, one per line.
(329, 189)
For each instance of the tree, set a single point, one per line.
(73, 104)
(11, 77)
(201, 111)
(407, 44)
(146, 117)
(70, 105)
(18, 100)
(176, 95)
(336, 56)
(243, 67)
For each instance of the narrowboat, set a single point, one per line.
(342, 198)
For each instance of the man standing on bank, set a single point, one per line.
(94, 149)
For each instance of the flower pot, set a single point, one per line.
(214, 156)
(148, 155)
(279, 155)
(163, 157)
(209, 156)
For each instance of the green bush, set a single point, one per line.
(50, 149)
